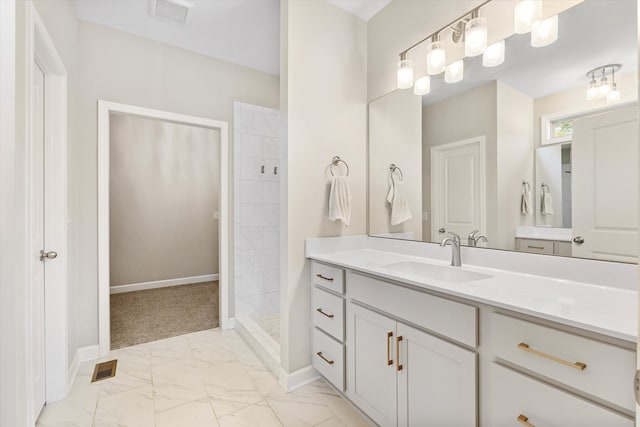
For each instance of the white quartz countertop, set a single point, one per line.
(601, 309)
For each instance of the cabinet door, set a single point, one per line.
(437, 385)
(371, 368)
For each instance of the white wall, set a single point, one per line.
(164, 190)
(323, 106)
(395, 136)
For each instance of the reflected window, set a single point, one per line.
(562, 128)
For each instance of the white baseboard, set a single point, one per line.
(229, 323)
(83, 354)
(293, 381)
(163, 283)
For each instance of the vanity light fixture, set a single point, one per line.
(405, 73)
(475, 35)
(436, 57)
(494, 54)
(422, 86)
(454, 72)
(601, 88)
(525, 14)
(545, 32)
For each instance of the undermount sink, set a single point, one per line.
(436, 272)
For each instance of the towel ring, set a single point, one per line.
(526, 185)
(545, 186)
(393, 168)
(336, 162)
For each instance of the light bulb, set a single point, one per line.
(405, 74)
(614, 95)
(544, 32)
(454, 72)
(422, 86)
(494, 55)
(475, 37)
(525, 14)
(436, 58)
(592, 92)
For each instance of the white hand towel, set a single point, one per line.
(340, 200)
(397, 197)
(546, 204)
(526, 205)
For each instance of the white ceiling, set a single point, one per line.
(244, 32)
(591, 34)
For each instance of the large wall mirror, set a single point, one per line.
(515, 157)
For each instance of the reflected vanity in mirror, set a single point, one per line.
(515, 156)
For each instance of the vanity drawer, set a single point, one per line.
(515, 395)
(451, 319)
(328, 277)
(328, 358)
(536, 246)
(328, 313)
(609, 369)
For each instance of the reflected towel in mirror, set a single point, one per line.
(546, 203)
(340, 200)
(397, 198)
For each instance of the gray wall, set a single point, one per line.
(164, 189)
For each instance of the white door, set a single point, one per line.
(605, 185)
(371, 368)
(37, 244)
(458, 189)
(437, 385)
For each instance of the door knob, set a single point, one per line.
(48, 255)
(441, 231)
(578, 240)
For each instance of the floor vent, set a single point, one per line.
(104, 370)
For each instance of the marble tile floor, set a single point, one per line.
(207, 378)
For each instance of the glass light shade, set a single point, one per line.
(475, 37)
(592, 93)
(454, 72)
(422, 86)
(436, 58)
(544, 32)
(604, 89)
(494, 55)
(525, 14)
(614, 95)
(405, 74)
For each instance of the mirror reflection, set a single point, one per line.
(526, 156)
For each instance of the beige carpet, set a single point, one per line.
(144, 316)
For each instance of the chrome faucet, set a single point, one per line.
(454, 241)
(472, 239)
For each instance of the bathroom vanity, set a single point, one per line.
(411, 340)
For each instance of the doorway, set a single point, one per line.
(161, 246)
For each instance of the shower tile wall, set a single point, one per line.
(257, 215)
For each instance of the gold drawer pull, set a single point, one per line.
(536, 247)
(319, 310)
(577, 365)
(389, 360)
(398, 364)
(330, 279)
(330, 362)
(524, 420)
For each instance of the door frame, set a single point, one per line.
(40, 49)
(436, 154)
(105, 109)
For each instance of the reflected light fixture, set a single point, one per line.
(494, 55)
(404, 73)
(525, 14)
(544, 32)
(422, 86)
(475, 35)
(602, 88)
(436, 57)
(454, 72)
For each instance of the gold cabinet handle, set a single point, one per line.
(330, 362)
(389, 360)
(330, 279)
(398, 364)
(524, 420)
(319, 310)
(577, 365)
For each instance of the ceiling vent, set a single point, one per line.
(173, 11)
